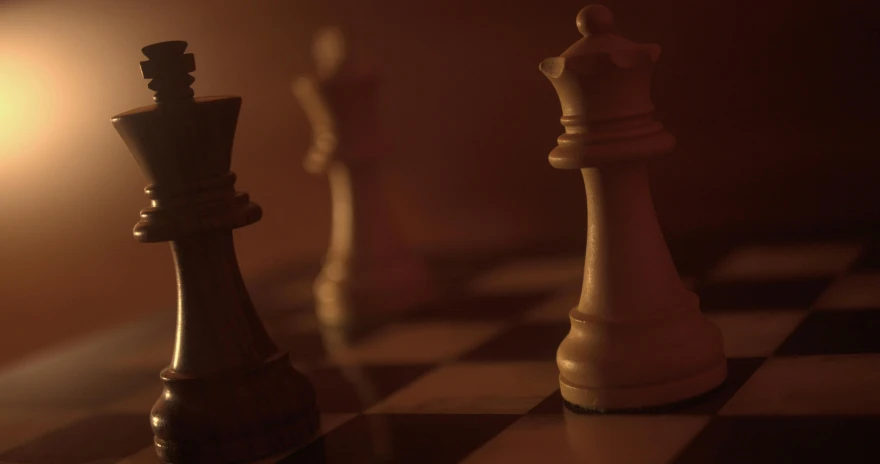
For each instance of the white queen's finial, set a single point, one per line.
(595, 20)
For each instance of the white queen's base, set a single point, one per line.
(619, 365)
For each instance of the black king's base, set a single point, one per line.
(260, 422)
(229, 394)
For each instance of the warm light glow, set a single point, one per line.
(21, 103)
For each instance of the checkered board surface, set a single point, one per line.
(473, 378)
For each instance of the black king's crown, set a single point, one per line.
(169, 67)
(604, 85)
(184, 147)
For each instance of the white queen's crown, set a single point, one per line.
(604, 85)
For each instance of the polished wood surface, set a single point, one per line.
(229, 393)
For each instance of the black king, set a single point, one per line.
(229, 393)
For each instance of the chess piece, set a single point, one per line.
(229, 394)
(368, 272)
(638, 338)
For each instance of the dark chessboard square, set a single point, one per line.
(553, 404)
(695, 256)
(482, 307)
(761, 294)
(532, 342)
(404, 439)
(738, 372)
(870, 260)
(789, 439)
(835, 332)
(272, 312)
(452, 271)
(97, 439)
(352, 389)
(303, 347)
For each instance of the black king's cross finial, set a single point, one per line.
(169, 67)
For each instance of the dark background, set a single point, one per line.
(774, 105)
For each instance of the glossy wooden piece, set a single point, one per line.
(638, 338)
(369, 271)
(229, 394)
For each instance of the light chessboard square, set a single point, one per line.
(145, 456)
(578, 439)
(20, 425)
(555, 308)
(852, 291)
(139, 402)
(154, 356)
(300, 322)
(416, 343)
(811, 385)
(475, 388)
(530, 275)
(787, 261)
(293, 293)
(755, 333)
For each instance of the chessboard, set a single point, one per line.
(472, 377)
